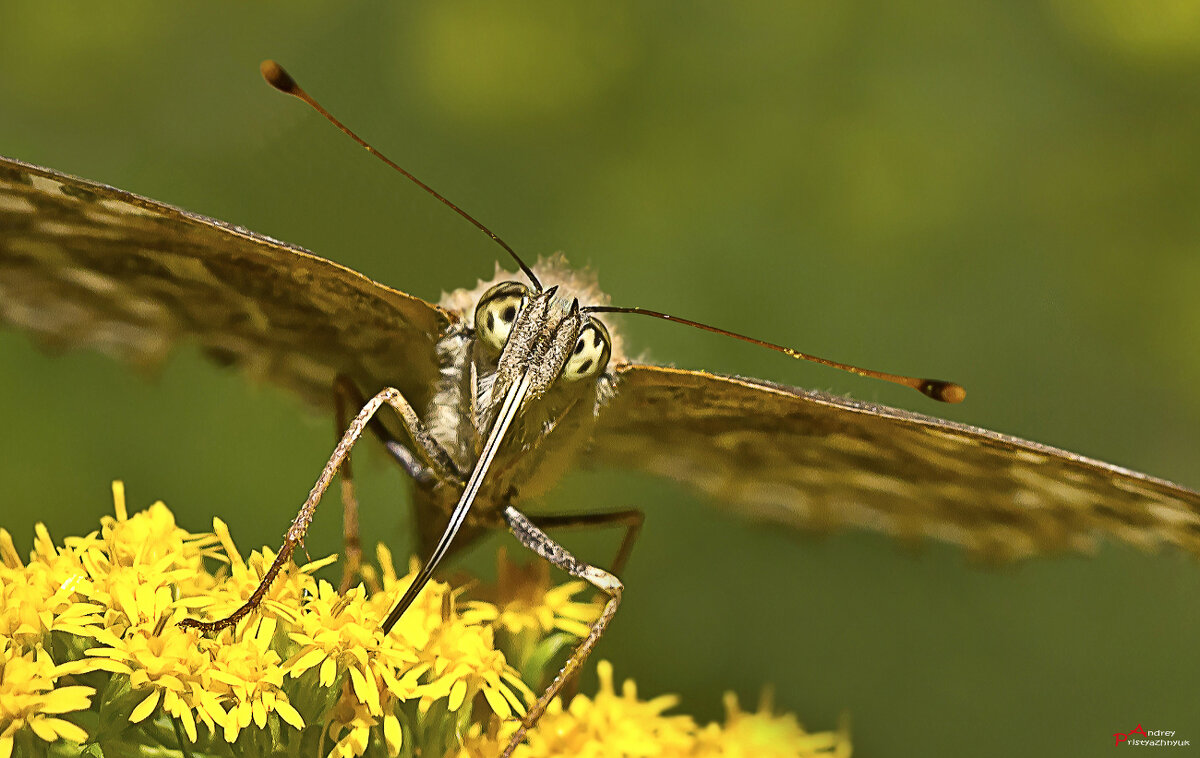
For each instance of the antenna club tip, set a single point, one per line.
(277, 77)
(945, 392)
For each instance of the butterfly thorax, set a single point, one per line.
(544, 342)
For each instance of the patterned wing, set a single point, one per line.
(813, 460)
(86, 265)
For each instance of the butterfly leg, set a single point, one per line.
(295, 534)
(347, 395)
(344, 391)
(539, 542)
(435, 464)
(631, 520)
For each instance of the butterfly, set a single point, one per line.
(86, 265)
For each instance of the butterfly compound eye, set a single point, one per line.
(497, 312)
(591, 352)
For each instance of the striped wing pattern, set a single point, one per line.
(86, 265)
(809, 459)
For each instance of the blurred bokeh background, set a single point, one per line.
(1007, 195)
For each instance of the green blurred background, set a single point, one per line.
(1007, 195)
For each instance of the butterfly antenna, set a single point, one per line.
(283, 81)
(946, 392)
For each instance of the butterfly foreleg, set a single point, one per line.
(346, 396)
(295, 533)
(345, 392)
(538, 541)
(631, 520)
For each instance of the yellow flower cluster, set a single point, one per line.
(623, 725)
(91, 655)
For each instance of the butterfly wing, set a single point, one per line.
(86, 265)
(814, 460)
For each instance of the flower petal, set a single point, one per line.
(146, 707)
(67, 730)
(393, 734)
(328, 672)
(289, 714)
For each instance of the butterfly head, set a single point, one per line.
(541, 335)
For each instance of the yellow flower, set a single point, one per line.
(220, 595)
(150, 537)
(461, 661)
(164, 665)
(311, 671)
(534, 620)
(612, 725)
(523, 600)
(339, 638)
(432, 655)
(29, 699)
(42, 597)
(424, 616)
(350, 724)
(247, 674)
(137, 572)
(764, 735)
(341, 634)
